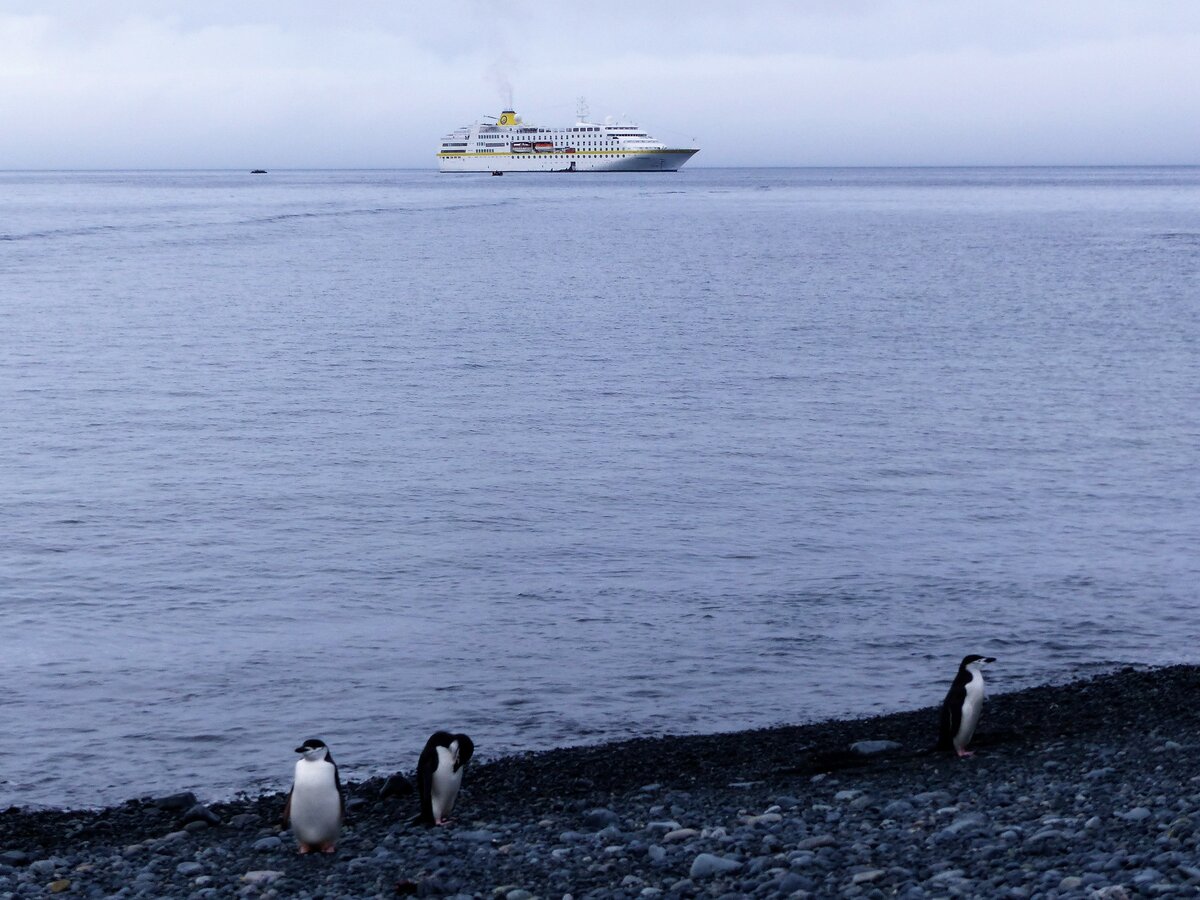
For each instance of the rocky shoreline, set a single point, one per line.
(1090, 789)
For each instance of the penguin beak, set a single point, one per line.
(301, 749)
(989, 659)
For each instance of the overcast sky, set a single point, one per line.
(373, 83)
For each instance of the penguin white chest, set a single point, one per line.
(445, 784)
(971, 711)
(316, 810)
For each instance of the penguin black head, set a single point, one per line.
(313, 749)
(976, 660)
(462, 748)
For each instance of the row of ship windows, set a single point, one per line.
(541, 155)
(502, 144)
(491, 131)
(610, 137)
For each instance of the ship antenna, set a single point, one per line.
(581, 109)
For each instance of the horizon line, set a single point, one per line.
(434, 170)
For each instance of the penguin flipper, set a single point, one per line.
(951, 718)
(337, 783)
(426, 766)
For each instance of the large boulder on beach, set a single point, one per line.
(599, 819)
(707, 864)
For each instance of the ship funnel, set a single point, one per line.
(508, 119)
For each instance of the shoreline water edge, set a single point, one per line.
(1088, 789)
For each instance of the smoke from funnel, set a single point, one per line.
(498, 73)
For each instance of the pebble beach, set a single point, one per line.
(1088, 789)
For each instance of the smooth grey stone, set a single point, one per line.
(898, 808)
(818, 840)
(868, 876)
(175, 802)
(968, 823)
(1137, 814)
(189, 868)
(476, 837)
(200, 813)
(14, 858)
(601, 818)
(1046, 838)
(268, 843)
(790, 882)
(662, 827)
(244, 820)
(874, 748)
(707, 864)
(936, 798)
(261, 876)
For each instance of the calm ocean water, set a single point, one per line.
(554, 460)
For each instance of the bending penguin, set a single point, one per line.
(963, 705)
(440, 773)
(315, 805)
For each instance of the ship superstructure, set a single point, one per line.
(510, 145)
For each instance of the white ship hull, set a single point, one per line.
(510, 145)
(660, 161)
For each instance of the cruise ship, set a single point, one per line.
(511, 145)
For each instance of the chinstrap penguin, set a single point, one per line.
(440, 773)
(315, 805)
(963, 705)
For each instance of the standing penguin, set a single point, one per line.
(439, 774)
(963, 705)
(315, 805)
